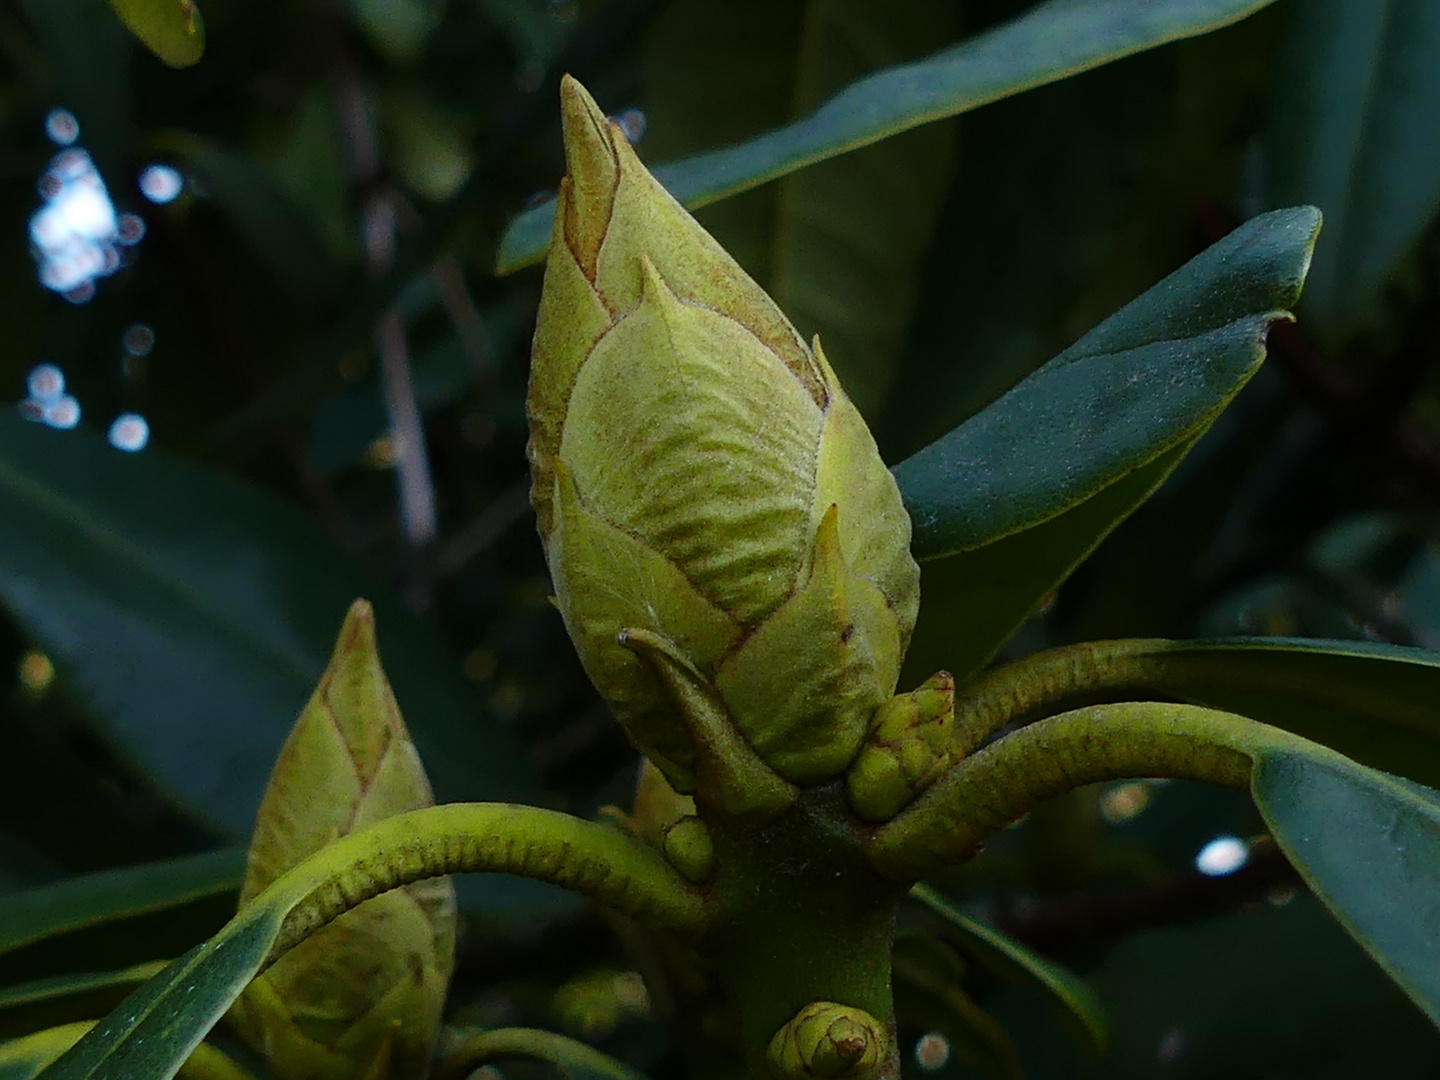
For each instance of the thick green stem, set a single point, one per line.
(598, 862)
(800, 916)
(993, 787)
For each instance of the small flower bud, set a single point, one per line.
(714, 511)
(361, 997)
(908, 746)
(835, 1042)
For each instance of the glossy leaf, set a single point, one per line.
(113, 895)
(1020, 966)
(1353, 131)
(1019, 263)
(1050, 42)
(574, 1059)
(1368, 844)
(193, 614)
(171, 29)
(1027, 487)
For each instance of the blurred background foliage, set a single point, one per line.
(316, 206)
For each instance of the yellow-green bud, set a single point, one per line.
(363, 996)
(828, 1040)
(908, 746)
(690, 849)
(705, 490)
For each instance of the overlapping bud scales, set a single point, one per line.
(363, 996)
(829, 1041)
(702, 481)
(908, 747)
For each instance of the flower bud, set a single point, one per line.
(706, 492)
(362, 997)
(908, 746)
(835, 1042)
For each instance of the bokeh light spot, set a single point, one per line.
(36, 671)
(62, 127)
(161, 184)
(1221, 856)
(130, 432)
(138, 340)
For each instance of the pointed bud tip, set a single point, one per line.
(358, 632)
(592, 171)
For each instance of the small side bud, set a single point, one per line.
(689, 848)
(829, 1040)
(908, 746)
(363, 996)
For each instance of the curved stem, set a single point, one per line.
(598, 862)
(482, 1047)
(1048, 678)
(983, 793)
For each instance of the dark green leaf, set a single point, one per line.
(996, 586)
(1353, 131)
(1050, 42)
(112, 895)
(1018, 965)
(1368, 844)
(194, 614)
(1076, 446)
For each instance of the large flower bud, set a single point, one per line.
(361, 997)
(707, 494)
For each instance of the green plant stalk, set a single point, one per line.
(456, 838)
(995, 786)
(799, 915)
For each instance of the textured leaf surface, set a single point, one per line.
(193, 615)
(112, 895)
(1368, 844)
(1020, 966)
(1353, 131)
(1051, 41)
(1080, 443)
